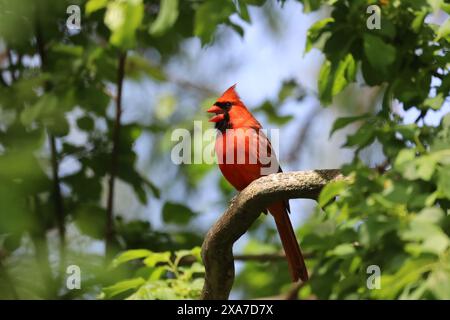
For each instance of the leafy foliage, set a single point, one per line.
(396, 216)
(159, 276)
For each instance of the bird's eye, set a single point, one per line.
(223, 105)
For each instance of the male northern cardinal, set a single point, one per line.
(240, 148)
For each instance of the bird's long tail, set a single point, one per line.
(294, 255)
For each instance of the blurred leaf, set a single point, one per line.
(91, 220)
(443, 183)
(177, 213)
(46, 111)
(380, 54)
(363, 137)
(345, 249)
(122, 287)
(439, 284)
(272, 113)
(85, 123)
(166, 107)
(409, 273)
(435, 103)
(330, 191)
(123, 18)
(157, 257)
(130, 255)
(136, 66)
(334, 77)
(210, 14)
(345, 121)
(444, 31)
(167, 16)
(94, 5)
(315, 32)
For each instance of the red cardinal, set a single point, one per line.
(242, 150)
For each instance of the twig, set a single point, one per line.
(303, 132)
(59, 206)
(382, 167)
(421, 116)
(57, 194)
(2, 80)
(293, 292)
(205, 90)
(110, 230)
(11, 65)
(244, 209)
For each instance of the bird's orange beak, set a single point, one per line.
(219, 114)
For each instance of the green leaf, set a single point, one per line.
(310, 5)
(430, 215)
(443, 181)
(422, 167)
(435, 103)
(363, 137)
(130, 255)
(418, 21)
(315, 32)
(136, 66)
(380, 54)
(273, 113)
(153, 188)
(288, 89)
(123, 17)
(167, 16)
(404, 157)
(209, 15)
(48, 111)
(94, 5)
(445, 7)
(243, 11)
(334, 77)
(90, 220)
(409, 273)
(345, 121)
(444, 31)
(122, 287)
(45, 107)
(436, 243)
(177, 213)
(330, 191)
(196, 252)
(157, 257)
(342, 250)
(85, 123)
(442, 139)
(439, 283)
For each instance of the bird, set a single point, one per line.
(244, 154)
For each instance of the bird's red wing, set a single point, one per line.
(253, 156)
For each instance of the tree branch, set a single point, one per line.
(110, 230)
(244, 209)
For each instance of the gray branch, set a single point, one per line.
(244, 209)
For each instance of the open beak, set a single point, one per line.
(219, 114)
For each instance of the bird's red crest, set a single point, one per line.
(230, 94)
